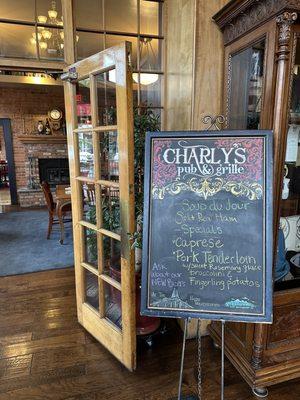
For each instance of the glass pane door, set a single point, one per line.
(100, 139)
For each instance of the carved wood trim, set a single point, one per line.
(244, 16)
(282, 96)
(258, 346)
(284, 22)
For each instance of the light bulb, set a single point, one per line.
(42, 19)
(61, 35)
(61, 45)
(43, 45)
(32, 41)
(77, 38)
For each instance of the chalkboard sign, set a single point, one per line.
(207, 236)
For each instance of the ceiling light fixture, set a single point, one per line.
(146, 54)
(50, 39)
(145, 79)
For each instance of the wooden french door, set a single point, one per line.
(99, 117)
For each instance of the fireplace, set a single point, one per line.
(43, 161)
(54, 170)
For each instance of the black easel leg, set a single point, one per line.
(222, 360)
(182, 358)
(199, 383)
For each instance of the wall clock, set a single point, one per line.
(55, 117)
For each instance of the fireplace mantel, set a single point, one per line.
(29, 139)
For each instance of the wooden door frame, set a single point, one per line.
(122, 343)
(8, 142)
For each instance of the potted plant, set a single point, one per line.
(144, 121)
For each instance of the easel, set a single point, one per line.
(213, 123)
(199, 383)
(242, 304)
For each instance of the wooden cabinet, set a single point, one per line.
(262, 91)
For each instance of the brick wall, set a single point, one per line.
(25, 106)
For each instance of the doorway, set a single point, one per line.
(8, 188)
(25, 245)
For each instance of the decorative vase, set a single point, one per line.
(144, 325)
(48, 128)
(40, 127)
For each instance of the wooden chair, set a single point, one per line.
(53, 212)
(89, 193)
(4, 173)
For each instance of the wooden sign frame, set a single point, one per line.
(267, 235)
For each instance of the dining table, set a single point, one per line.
(63, 204)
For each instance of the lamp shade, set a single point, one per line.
(42, 19)
(43, 45)
(46, 34)
(52, 14)
(145, 79)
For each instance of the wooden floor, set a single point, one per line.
(46, 355)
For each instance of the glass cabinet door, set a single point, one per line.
(291, 182)
(246, 75)
(289, 232)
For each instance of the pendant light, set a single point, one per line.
(146, 53)
(145, 79)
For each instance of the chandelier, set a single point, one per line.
(50, 39)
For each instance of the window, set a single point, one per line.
(32, 29)
(101, 24)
